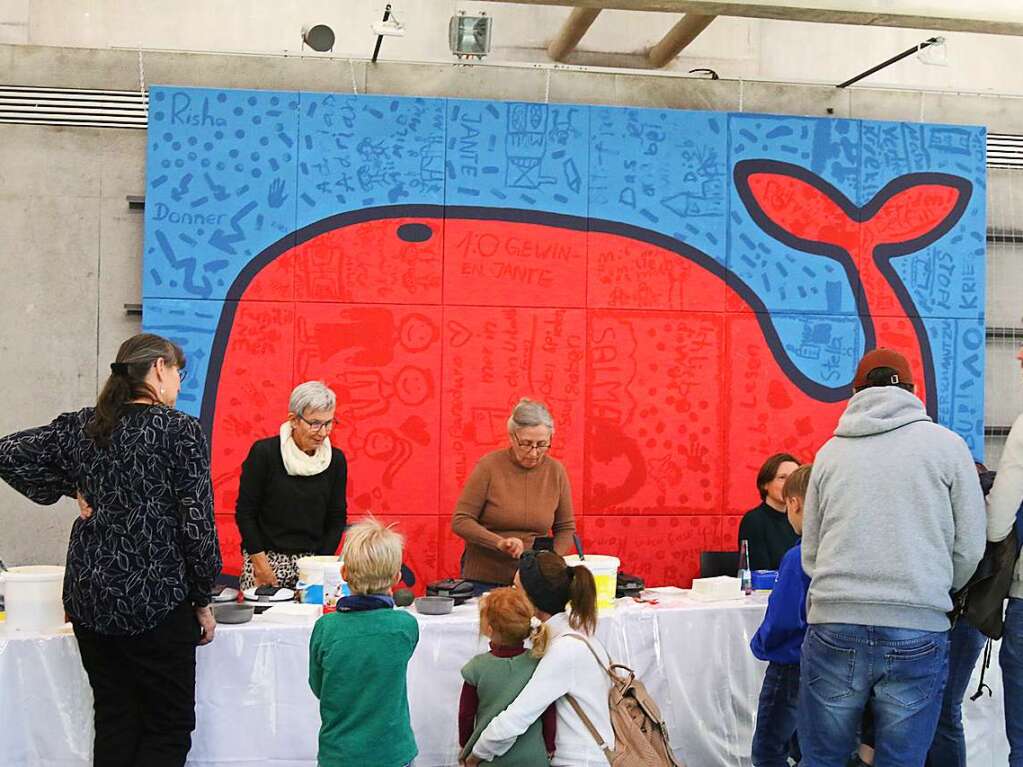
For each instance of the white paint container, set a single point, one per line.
(32, 598)
(310, 576)
(605, 575)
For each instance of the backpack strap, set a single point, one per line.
(608, 753)
(610, 669)
(593, 653)
(983, 669)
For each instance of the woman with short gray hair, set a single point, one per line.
(514, 496)
(291, 497)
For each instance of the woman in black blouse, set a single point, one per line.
(142, 557)
(291, 497)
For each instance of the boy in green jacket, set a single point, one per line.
(358, 658)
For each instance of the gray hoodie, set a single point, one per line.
(894, 516)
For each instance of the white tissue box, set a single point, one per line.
(717, 589)
(292, 612)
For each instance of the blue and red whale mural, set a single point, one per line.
(688, 291)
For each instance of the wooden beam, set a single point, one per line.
(572, 32)
(999, 17)
(678, 37)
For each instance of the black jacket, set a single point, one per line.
(769, 534)
(151, 542)
(286, 514)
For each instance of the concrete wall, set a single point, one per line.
(737, 48)
(70, 254)
(70, 250)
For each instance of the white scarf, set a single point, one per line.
(297, 462)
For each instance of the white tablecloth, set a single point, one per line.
(254, 706)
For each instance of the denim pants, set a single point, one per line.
(1010, 658)
(776, 715)
(901, 672)
(948, 749)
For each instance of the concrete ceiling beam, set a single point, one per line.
(999, 17)
(677, 38)
(572, 31)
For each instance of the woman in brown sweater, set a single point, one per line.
(514, 495)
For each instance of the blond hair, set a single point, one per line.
(372, 557)
(797, 483)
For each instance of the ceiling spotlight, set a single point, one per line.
(319, 37)
(469, 36)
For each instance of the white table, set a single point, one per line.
(254, 706)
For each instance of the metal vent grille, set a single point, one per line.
(129, 109)
(71, 107)
(1004, 150)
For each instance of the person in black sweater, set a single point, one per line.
(143, 554)
(767, 527)
(291, 497)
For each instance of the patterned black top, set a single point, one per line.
(151, 542)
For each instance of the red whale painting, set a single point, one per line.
(666, 376)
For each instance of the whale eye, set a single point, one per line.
(415, 232)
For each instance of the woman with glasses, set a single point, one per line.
(291, 497)
(514, 495)
(143, 555)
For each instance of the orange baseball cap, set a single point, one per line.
(883, 358)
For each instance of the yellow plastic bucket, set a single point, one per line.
(605, 573)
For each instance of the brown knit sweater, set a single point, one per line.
(501, 499)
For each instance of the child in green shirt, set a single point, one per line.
(358, 658)
(494, 679)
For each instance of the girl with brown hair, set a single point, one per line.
(495, 678)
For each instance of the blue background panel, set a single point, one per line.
(518, 155)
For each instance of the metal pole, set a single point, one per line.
(380, 38)
(908, 52)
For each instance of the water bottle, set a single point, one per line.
(745, 574)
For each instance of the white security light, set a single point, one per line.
(469, 36)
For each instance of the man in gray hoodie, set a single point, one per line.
(894, 520)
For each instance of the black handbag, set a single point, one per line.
(456, 588)
(981, 602)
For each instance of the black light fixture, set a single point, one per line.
(469, 36)
(319, 37)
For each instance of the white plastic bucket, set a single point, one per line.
(605, 573)
(310, 576)
(32, 598)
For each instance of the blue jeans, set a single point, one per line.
(948, 749)
(1010, 658)
(776, 715)
(901, 672)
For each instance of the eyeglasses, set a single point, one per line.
(529, 447)
(318, 425)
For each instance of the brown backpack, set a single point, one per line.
(641, 737)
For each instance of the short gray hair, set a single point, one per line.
(311, 395)
(528, 413)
